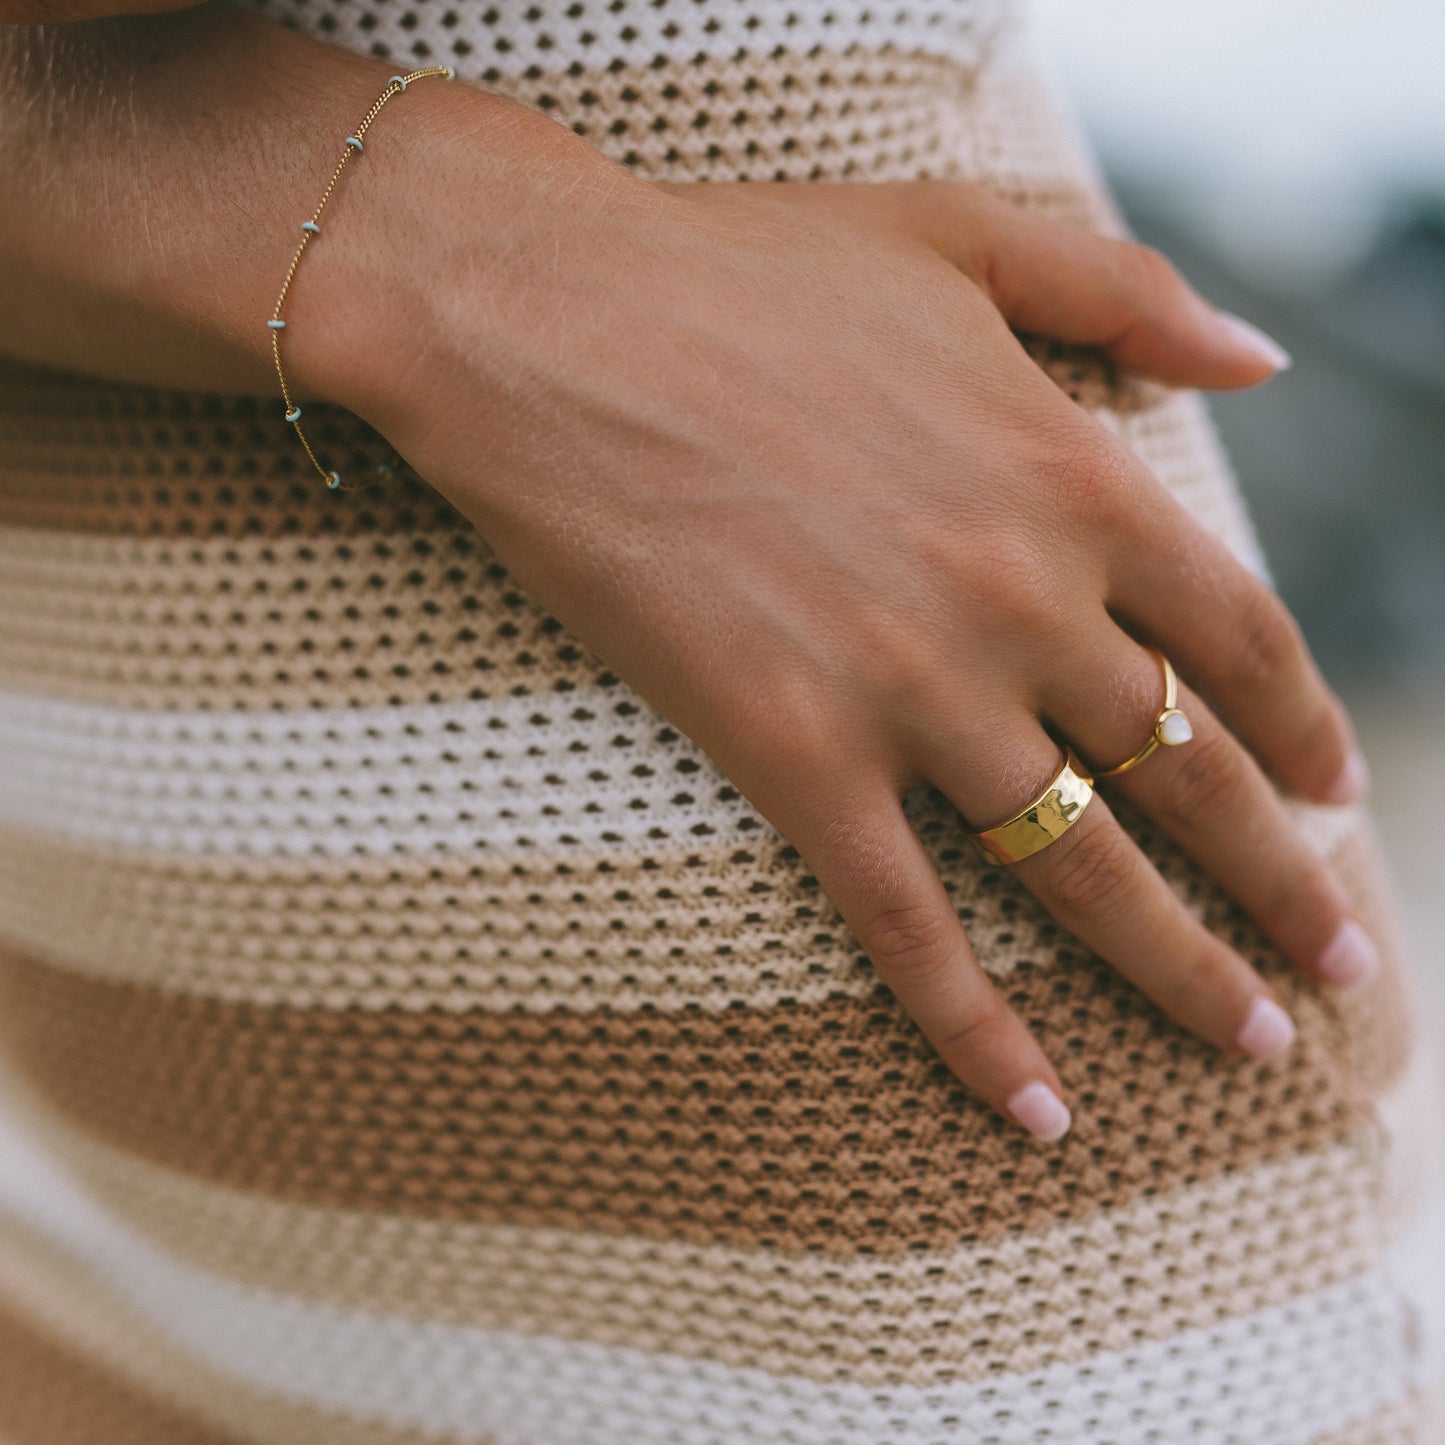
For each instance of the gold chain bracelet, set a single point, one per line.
(309, 231)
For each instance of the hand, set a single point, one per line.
(773, 452)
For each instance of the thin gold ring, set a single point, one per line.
(1171, 728)
(1043, 821)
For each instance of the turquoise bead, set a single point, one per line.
(276, 325)
(312, 227)
(333, 480)
(399, 80)
(294, 414)
(354, 142)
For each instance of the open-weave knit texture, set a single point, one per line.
(406, 1035)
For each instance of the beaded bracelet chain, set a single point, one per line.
(309, 231)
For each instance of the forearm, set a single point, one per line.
(154, 173)
(55, 12)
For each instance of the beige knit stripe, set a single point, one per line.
(78, 454)
(882, 114)
(864, 115)
(664, 927)
(1179, 1259)
(833, 1125)
(85, 1328)
(661, 927)
(285, 622)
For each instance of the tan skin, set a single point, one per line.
(801, 486)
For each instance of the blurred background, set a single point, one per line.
(1290, 158)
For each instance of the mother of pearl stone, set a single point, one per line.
(1174, 729)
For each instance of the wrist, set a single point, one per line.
(147, 218)
(428, 213)
(450, 242)
(147, 224)
(163, 203)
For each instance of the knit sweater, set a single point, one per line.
(407, 1035)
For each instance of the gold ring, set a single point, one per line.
(1045, 820)
(1171, 728)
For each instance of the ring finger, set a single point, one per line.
(1098, 884)
(1212, 798)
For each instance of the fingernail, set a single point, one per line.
(1040, 1111)
(1349, 957)
(1267, 1029)
(1352, 783)
(1253, 340)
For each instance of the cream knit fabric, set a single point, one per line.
(407, 1036)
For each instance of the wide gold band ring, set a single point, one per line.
(1171, 728)
(1043, 821)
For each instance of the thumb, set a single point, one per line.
(1063, 281)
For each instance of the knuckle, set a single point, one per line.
(1307, 897)
(1203, 977)
(1092, 877)
(788, 727)
(1268, 639)
(1209, 781)
(939, 202)
(908, 941)
(1004, 574)
(978, 1035)
(862, 855)
(1084, 473)
(1300, 895)
(1150, 273)
(1323, 745)
(908, 674)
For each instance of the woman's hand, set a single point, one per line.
(773, 452)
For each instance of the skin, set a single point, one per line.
(803, 489)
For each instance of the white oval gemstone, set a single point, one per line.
(1175, 729)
